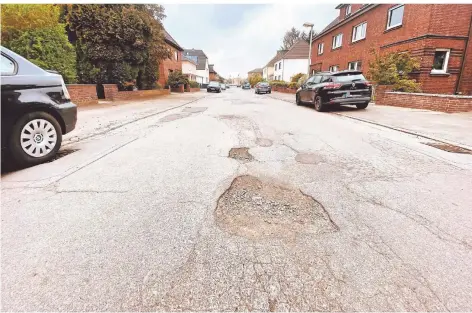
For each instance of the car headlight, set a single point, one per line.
(64, 90)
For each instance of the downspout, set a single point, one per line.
(464, 58)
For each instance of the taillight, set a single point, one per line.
(332, 86)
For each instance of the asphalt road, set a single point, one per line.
(237, 201)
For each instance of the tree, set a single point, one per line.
(306, 35)
(290, 37)
(394, 69)
(296, 77)
(117, 43)
(254, 79)
(34, 32)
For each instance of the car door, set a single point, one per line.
(311, 88)
(305, 89)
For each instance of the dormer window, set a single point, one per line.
(348, 10)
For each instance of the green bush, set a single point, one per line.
(194, 84)
(292, 85)
(302, 80)
(393, 69)
(177, 78)
(296, 77)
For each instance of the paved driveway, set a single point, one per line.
(238, 201)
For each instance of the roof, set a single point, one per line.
(211, 68)
(256, 70)
(186, 58)
(276, 58)
(338, 22)
(201, 57)
(171, 41)
(299, 50)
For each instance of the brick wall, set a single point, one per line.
(180, 88)
(434, 102)
(112, 93)
(417, 22)
(171, 64)
(83, 94)
(465, 85)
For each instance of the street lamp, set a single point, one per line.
(311, 39)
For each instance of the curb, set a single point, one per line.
(394, 128)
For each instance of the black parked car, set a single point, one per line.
(214, 86)
(335, 88)
(36, 110)
(246, 86)
(262, 87)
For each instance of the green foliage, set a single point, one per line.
(292, 85)
(278, 83)
(177, 78)
(302, 80)
(254, 79)
(34, 32)
(393, 69)
(48, 48)
(17, 18)
(117, 43)
(296, 77)
(194, 84)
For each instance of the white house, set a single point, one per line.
(294, 61)
(268, 70)
(202, 68)
(189, 68)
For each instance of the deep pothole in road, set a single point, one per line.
(241, 154)
(257, 209)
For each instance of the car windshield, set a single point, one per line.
(263, 84)
(214, 84)
(347, 78)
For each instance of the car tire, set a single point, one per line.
(362, 106)
(319, 106)
(48, 129)
(297, 99)
(270, 91)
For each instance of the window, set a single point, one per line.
(310, 81)
(333, 68)
(356, 65)
(337, 41)
(395, 16)
(348, 10)
(317, 79)
(176, 55)
(441, 58)
(358, 32)
(320, 48)
(7, 66)
(326, 79)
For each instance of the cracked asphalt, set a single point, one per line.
(312, 212)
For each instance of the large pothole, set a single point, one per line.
(241, 154)
(256, 209)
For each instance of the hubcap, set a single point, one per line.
(317, 103)
(38, 138)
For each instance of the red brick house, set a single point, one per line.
(174, 63)
(213, 74)
(439, 35)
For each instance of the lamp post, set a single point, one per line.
(311, 39)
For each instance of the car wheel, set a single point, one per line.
(270, 91)
(297, 100)
(319, 106)
(35, 138)
(362, 106)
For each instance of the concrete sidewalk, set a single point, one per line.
(453, 128)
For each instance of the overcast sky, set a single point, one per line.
(240, 37)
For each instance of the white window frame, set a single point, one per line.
(356, 67)
(335, 40)
(320, 47)
(332, 67)
(446, 61)
(348, 10)
(354, 32)
(389, 16)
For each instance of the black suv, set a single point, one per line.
(36, 110)
(335, 88)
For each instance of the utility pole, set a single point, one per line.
(311, 42)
